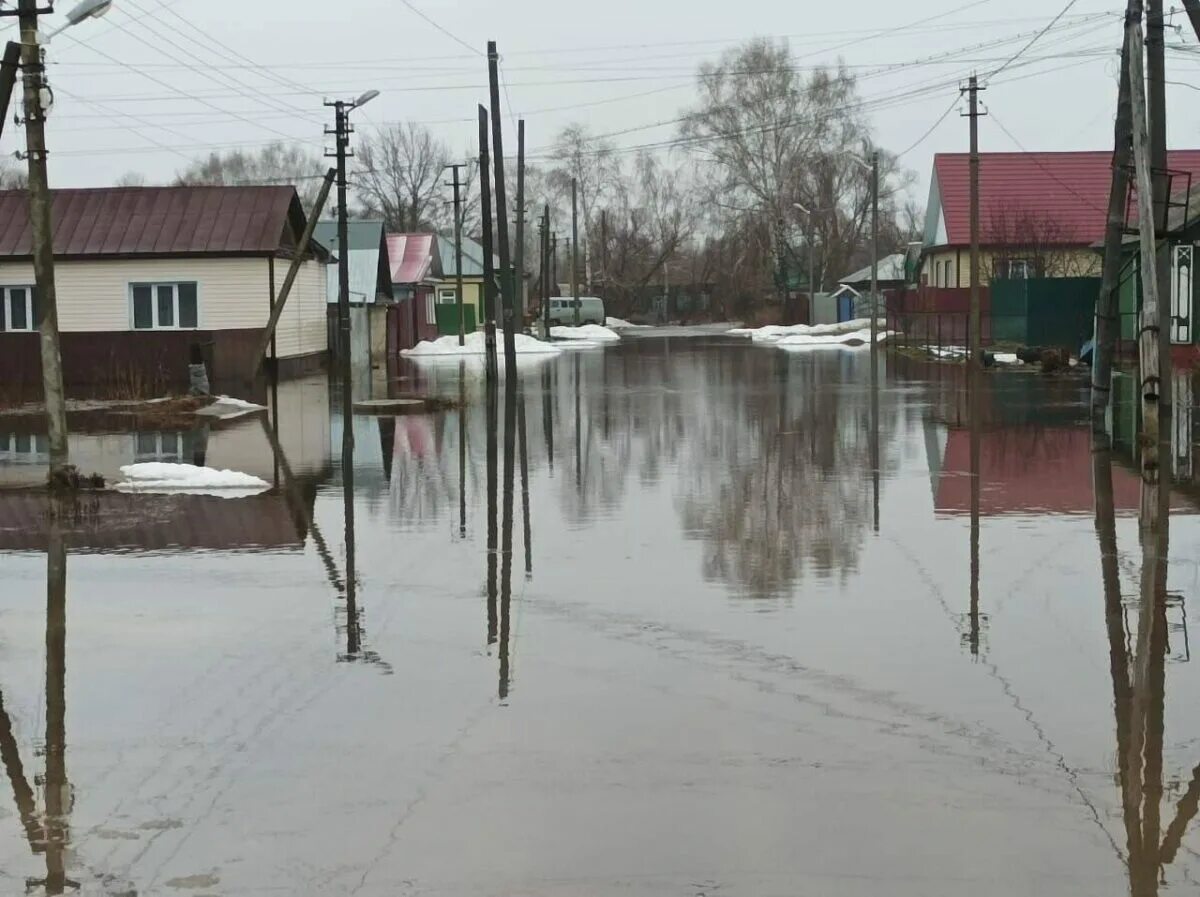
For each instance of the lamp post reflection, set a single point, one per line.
(506, 544)
(974, 386)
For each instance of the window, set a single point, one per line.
(18, 308)
(177, 446)
(1020, 269)
(447, 297)
(430, 311)
(164, 306)
(24, 448)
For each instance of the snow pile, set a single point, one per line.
(474, 344)
(773, 333)
(225, 408)
(960, 352)
(622, 324)
(160, 478)
(591, 332)
(800, 341)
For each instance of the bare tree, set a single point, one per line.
(12, 175)
(1026, 243)
(130, 179)
(399, 177)
(592, 163)
(275, 163)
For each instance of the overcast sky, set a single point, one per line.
(616, 65)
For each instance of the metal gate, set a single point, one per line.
(1181, 294)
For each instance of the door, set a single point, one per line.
(1181, 294)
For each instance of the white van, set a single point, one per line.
(591, 310)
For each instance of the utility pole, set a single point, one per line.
(554, 259)
(1149, 341)
(604, 255)
(43, 248)
(575, 248)
(546, 272)
(1108, 318)
(519, 253)
(489, 271)
(507, 298)
(1156, 113)
(976, 316)
(458, 277)
(10, 64)
(874, 258)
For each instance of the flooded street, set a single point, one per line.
(719, 631)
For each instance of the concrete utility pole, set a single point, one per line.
(507, 287)
(1156, 113)
(575, 249)
(1108, 316)
(604, 254)
(43, 248)
(1149, 341)
(489, 267)
(554, 259)
(976, 314)
(519, 251)
(874, 258)
(458, 277)
(545, 272)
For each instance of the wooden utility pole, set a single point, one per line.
(574, 253)
(976, 314)
(604, 255)
(546, 272)
(458, 276)
(1193, 11)
(874, 261)
(1148, 342)
(43, 247)
(507, 297)
(554, 260)
(1156, 114)
(519, 252)
(1108, 315)
(489, 268)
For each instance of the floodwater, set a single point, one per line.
(730, 625)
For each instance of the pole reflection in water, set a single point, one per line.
(875, 440)
(578, 435)
(974, 386)
(492, 487)
(1139, 682)
(506, 543)
(524, 449)
(462, 450)
(548, 416)
(57, 798)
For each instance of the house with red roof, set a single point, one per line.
(147, 277)
(1040, 215)
(415, 269)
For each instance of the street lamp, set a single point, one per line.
(88, 9)
(873, 168)
(812, 256)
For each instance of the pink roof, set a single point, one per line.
(1070, 189)
(411, 256)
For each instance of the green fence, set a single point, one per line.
(1050, 311)
(447, 318)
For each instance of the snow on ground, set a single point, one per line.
(800, 341)
(772, 333)
(447, 346)
(161, 478)
(622, 324)
(226, 408)
(961, 352)
(591, 332)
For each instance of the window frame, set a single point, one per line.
(30, 310)
(154, 286)
(447, 296)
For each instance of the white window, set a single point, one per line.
(164, 306)
(18, 309)
(1020, 269)
(175, 446)
(430, 312)
(447, 297)
(24, 448)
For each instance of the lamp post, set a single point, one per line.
(812, 256)
(40, 220)
(873, 168)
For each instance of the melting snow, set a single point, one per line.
(161, 478)
(474, 345)
(590, 332)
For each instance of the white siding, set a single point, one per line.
(94, 295)
(234, 294)
(302, 327)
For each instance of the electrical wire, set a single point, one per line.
(941, 118)
(1035, 39)
(458, 40)
(1033, 158)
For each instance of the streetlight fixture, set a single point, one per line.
(364, 99)
(88, 9)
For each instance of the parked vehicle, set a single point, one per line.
(591, 310)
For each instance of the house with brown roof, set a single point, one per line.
(1039, 214)
(148, 276)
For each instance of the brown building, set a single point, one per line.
(148, 275)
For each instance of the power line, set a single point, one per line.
(1035, 39)
(458, 40)
(1036, 161)
(932, 128)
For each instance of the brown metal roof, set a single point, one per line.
(162, 221)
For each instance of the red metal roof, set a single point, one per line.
(164, 221)
(411, 256)
(1070, 189)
